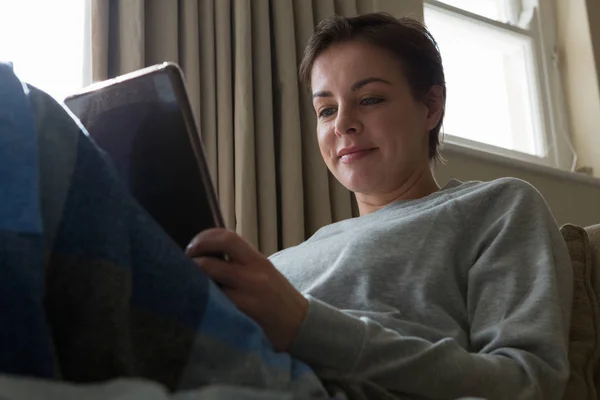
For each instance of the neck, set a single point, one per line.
(419, 184)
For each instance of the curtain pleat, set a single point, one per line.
(398, 8)
(245, 163)
(189, 54)
(100, 27)
(128, 38)
(346, 8)
(208, 79)
(364, 6)
(266, 180)
(161, 44)
(225, 163)
(322, 9)
(258, 127)
(287, 125)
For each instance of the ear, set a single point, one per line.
(436, 104)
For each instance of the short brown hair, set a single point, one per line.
(406, 38)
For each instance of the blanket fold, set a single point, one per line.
(91, 288)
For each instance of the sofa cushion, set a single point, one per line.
(594, 236)
(584, 343)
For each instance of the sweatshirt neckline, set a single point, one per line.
(451, 184)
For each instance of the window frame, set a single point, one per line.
(559, 152)
(87, 45)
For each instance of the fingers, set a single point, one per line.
(242, 301)
(219, 240)
(222, 272)
(227, 276)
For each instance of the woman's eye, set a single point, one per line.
(370, 101)
(326, 112)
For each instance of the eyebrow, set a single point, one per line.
(357, 85)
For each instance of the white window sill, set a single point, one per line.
(453, 148)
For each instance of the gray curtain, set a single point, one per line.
(240, 59)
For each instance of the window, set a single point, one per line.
(47, 43)
(499, 96)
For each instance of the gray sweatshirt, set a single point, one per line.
(466, 292)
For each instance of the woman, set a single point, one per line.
(432, 292)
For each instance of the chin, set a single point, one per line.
(358, 184)
(360, 177)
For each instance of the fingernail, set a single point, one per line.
(188, 248)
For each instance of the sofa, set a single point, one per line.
(584, 341)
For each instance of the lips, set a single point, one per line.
(351, 154)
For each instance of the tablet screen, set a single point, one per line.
(140, 125)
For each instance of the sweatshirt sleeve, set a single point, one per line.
(518, 301)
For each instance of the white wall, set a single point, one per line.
(572, 198)
(579, 53)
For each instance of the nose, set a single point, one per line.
(347, 123)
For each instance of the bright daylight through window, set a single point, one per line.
(494, 75)
(499, 94)
(45, 41)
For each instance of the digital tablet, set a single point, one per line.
(144, 123)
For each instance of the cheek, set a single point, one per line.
(326, 140)
(402, 127)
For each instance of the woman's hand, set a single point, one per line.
(252, 283)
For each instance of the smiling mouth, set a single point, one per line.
(355, 155)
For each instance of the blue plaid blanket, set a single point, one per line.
(91, 289)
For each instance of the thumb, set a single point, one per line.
(219, 240)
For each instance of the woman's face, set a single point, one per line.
(372, 133)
